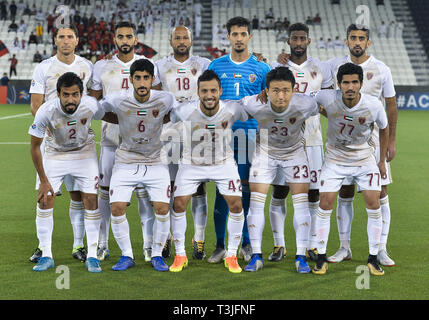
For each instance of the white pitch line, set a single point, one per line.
(16, 116)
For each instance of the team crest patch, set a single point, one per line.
(224, 124)
(362, 120)
(155, 113)
(33, 126)
(369, 75)
(83, 121)
(194, 71)
(252, 77)
(292, 120)
(313, 74)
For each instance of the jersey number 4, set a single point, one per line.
(125, 84)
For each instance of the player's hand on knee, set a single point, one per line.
(45, 190)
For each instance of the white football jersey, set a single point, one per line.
(70, 136)
(312, 75)
(140, 125)
(181, 78)
(349, 131)
(114, 76)
(377, 79)
(47, 72)
(281, 135)
(207, 139)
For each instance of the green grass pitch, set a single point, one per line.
(407, 241)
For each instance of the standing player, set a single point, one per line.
(241, 74)
(311, 75)
(350, 153)
(112, 76)
(138, 160)
(378, 83)
(207, 156)
(280, 153)
(70, 151)
(178, 74)
(43, 88)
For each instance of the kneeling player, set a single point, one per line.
(70, 151)
(350, 153)
(280, 151)
(207, 156)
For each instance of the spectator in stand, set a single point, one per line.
(399, 29)
(37, 57)
(269, 14)
(32, 38)
(262, 25)
(338, 44)
(40, 16)
(45, 55)
(21, 7)
(27, 11)
(382, 30)
(321, 44)
(13, 8)
(317, 19)
(85, 20)
(391, 30)
(15, 45)
(141, 28)
(3, 10)
(270, 24)
(77, 18)
(330, 45)
(281, 36)
(255, 23)
(286, 23)
(24, 45)
(278, 25)
(335, 1)
(188, 23)
(4, 81)
(380, 2)
(149, 29)
(22, 26)
(13, 64)
(92, 19)
(12, 27)
(309, 21)
(39, 33)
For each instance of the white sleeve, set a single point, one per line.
(324, 97)
(99, 114)
(328, 79)
(175, 114)
(155, 73)
(96, 79)
(381, 117)
(171, 102)
(38, 82)
(107, 103)
(206, 63)
(388, 86)
(239, 110)
(312, 106)
(249, 105)
(38, 128)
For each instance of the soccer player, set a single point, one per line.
(378, 83)
(280, 154)
(137, 160)
(352, 116)
(42, 89)
(110, 76)
(241, 74)
(311, 75)
(178, 74)
(70, 151)
(207, 156)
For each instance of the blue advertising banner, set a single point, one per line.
(18, 92)
(413, 100)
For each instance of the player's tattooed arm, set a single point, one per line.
(392, 116)
(45, 188)
(384, 140)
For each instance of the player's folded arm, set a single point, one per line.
(110, 117)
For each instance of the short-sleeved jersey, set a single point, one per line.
(281, 135)
(47, 72)
(113, 76)
(239, 80)
(181, 78)
(207, 139)
(377, 80)
(349, 131)
(310, 76)
(70, 136)
(140, 125)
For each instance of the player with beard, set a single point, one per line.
(178, 74)
(110, 76)
(378, 83)
(43, 88)
(311, 75)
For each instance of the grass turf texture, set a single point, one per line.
(202, 280)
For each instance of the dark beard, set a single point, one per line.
(126, 51)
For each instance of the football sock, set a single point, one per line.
(385, 214)
(44, 227)
(220, 216)
(245, 199)
(374, 228)
(199, 213)
(278, 211)
(178, 228)
(301, 222)
(104, 208)
(235, 227)
(121, 231)
(146, 217)
(256, 220)
(345, 215)
(92, 229)
(161, 230)
(313, 206)
(77, 212)
(323, 224)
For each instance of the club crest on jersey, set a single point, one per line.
(292, 120)
(362, 120)
(71, 123)
(252, 77)
(141, 112)
(369, 75)
(313, 74)
(224, 124)
(194, 71)
(83, 121)
(155, 113)
(33, 126)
